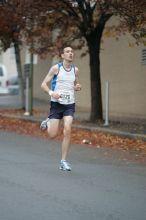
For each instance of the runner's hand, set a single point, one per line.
(56, 95)
(78, 87)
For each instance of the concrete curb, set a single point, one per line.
(113, 132)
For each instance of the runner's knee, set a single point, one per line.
(67, 131)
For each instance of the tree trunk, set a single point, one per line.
(19, 70)
(96, 96)
(94, 42)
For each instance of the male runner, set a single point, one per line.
(64, 79)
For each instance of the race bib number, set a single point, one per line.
(65, 98)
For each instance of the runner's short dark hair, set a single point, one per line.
(61, 50)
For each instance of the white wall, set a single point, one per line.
(121, 66)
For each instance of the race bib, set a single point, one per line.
(65, 98)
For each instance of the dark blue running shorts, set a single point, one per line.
(58, 111)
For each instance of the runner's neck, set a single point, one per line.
(67, 65)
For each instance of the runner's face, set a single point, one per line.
(68, 54)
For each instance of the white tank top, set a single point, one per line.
(63, 81)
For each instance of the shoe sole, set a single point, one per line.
(61, 168)
(42, 128)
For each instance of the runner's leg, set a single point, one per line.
(53, 127)
(67, 136)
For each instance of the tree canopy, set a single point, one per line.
(73, 20)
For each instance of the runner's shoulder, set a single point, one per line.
(55, 69)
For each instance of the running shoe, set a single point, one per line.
(64, 165)
(44, 125)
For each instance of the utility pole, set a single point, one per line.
(31, 85)
(29, 73)
(28, 70)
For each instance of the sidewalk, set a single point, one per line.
(124, 129)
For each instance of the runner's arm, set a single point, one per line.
(77, 84)
(48, 78)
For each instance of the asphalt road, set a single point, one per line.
(10, 101)
(98, 188)
(14, 101)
